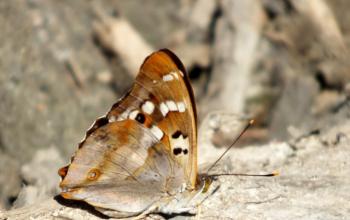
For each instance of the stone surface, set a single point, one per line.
(313, 183)
(41, 106)
(10, 182)
(41, 182)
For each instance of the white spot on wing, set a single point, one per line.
(168, 77)
(164, 109)
(173, 74)
(180, 142)
(171, 105)
(124, 115)
(133, 114)
(176, 75)
(148, 107)
(157, 132)
(181, 106)
(112, 119)
(147, 140)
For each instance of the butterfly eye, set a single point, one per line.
(93, 174)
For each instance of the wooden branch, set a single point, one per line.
(237, 37)
(118, 36)
(322, 17)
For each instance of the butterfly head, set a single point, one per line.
(204, 182)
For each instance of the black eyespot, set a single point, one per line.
(185, 151)
(140, 118)
(176, 134)
(177, 151)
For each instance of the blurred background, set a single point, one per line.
(64, 63)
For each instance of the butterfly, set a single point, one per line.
(141, 157)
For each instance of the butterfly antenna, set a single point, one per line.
(233, 143)
(275, 173)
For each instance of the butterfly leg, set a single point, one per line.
(144, 214)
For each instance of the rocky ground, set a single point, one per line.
(313, 183)
(283, 63)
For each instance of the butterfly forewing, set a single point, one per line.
(147, 140)
(165, 76)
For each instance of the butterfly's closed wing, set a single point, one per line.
(144, 149)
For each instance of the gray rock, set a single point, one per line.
(10, 182)
(313, 182)
(293, 106)
(40, 178)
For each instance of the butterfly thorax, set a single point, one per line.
(186, 200)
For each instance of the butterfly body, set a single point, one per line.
(141, 157)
